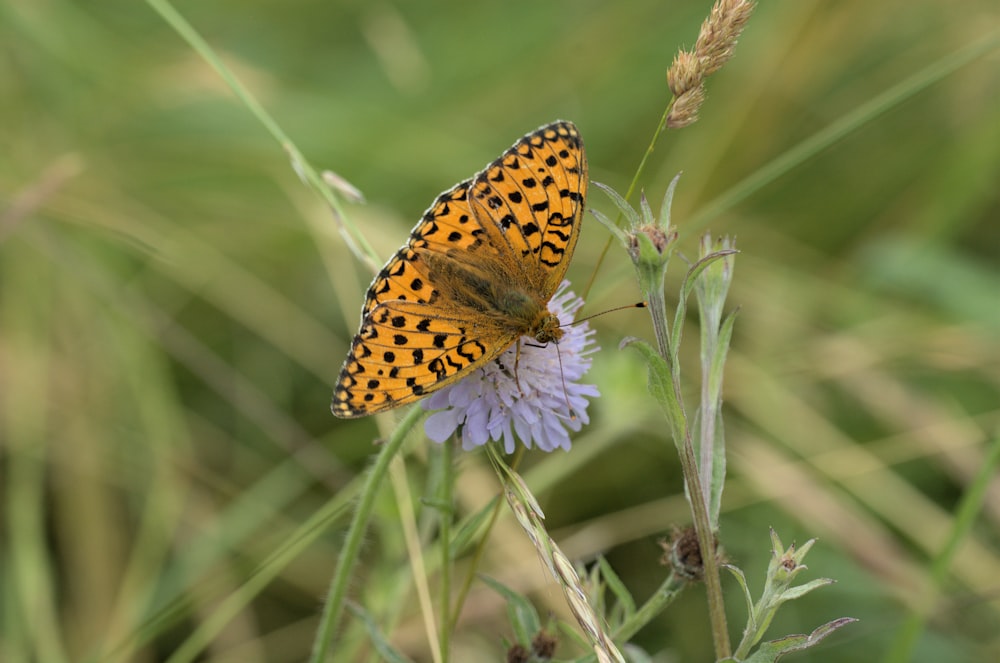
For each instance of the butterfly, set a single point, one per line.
(476, 274)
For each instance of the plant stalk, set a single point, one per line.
(695, 494)
(334, 605)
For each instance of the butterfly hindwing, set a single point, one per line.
(406, 350)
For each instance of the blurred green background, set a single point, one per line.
(175, 306)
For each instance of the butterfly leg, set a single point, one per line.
(517, 360)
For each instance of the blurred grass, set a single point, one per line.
(174, 306)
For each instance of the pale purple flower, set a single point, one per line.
(488, 405)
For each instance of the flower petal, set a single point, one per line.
(539, 405)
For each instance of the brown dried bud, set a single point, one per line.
(656, 235)
(683, 554)
(518, 654)
(544, 645)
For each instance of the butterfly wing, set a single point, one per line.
(531, 202)
(443, 226)
(406, 350)
(528, 208)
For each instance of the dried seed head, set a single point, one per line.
(530, 519)
(685, 110)
(684, 73)
(719, 33)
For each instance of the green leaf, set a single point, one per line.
(469, 528)
(696, 269)
(617, 587)
(385, 650)
(715, 374)
(645, 210)
(774, 649)
(523, 616)
(799, 591)
(718, 469)
(603, 219)
(661, 386)
(668, 201)
(742, 580)
(626, 210)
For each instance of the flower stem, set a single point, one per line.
(699, 510)
(481, 547)
(446, 514)
(660, 128)
(628, 194)
(355, 535)
(664, 595)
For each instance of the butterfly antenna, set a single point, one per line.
(610, 310)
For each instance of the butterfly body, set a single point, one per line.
(484, 290)
(476, 274)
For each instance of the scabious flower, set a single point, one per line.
(489, 404)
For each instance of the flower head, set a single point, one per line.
(650, 240)
(540, 404)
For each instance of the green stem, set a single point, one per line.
(709, 402)
(660, 128)
(842, 127)
(706, 542)
(968, 510)
(446, 514)
(174, 19)
(481, 548)
(355, 535)
(665, 594)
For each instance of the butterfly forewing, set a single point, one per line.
(445, 225)
(534, 195)
(423, 326)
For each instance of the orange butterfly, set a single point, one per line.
(477, 273)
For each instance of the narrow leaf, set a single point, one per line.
(385, 650)
(661, 387)
(469, 528)
(523, 616)
(801, 590)
(721, 351)
(718, 469)
(627, 211)
(696, 269)
(603, 219)
(774, 649)
(617, 587)
(742, 580)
